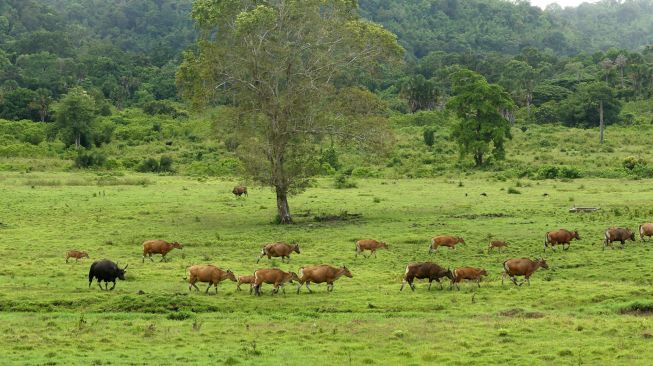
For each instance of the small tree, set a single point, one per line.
(420, 93)
(591, 103)
(74, 115)
(286, 66)
(480, 108)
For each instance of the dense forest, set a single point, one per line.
(114, 63)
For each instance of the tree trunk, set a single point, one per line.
(478, 158)
(601, 124)
(282, 206)
(78, 140)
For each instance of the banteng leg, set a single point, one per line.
(163, 258)
(207, 289)
(373, 252)
(430, 283)
(251, 286)
(308, 287)
(114, 285)
(479, 283)
(623, 244)
(216, 288)
(99, 283)
(330, 287)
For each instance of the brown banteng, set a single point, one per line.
(282, 250)
(445, 241)
(522, 267)
(468, 273)
(427, 270)
(248, 280)
(645, 230)
(239, 191)
(320, 274)
(273, 276)
(158, 247)
(371, 245)
(617, 234)
(562, 236)
(497, 244)
(208, 273)
(76, 254)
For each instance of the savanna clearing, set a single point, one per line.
(591, 307)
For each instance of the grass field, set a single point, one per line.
(589, 308)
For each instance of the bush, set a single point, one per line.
(165, 164)
(364, 172)
(342, 182)
(631, 162)
(512, 190)
(330, 156)
(85, 160)
(429, 137)
(569, 173)
(149, 165)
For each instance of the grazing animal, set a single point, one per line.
(445, 241)
(320, 274)
(467, 273)
(497, 244)
(428, 270)
(484, 194)
(282, 250)
(562, 236)
(207, 273)
(239, 191)
(158, 247)
(107, 271)
(273, 276)
(522, 267)
(371, 245)
(617, 234)
(76, 254)
(248, 280)
(645, 230)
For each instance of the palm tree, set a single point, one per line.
(620, 62)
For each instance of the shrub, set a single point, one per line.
(149, 165)
(569, 172)
(342, 181)
(85, 160)
(547, 172)
(429, 137)
(364, 172)
(330, 156)
(631, 162)
(165, 164)
(512, 190)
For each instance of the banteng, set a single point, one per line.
(521, 267)
(562, 236)
(273, 276)
(282, 250)
(107, 271)
(617, 234)
(321, 274)
(208, 273)
(427, 270)
(158, 247)
(371, 245)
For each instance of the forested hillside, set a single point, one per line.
(118, 61)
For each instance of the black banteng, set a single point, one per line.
(107, 271)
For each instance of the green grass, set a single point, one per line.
(589, 308)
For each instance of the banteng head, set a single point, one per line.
(575, 235)
(483, 272)
(121, 272)
(384, 245)
(345, 272)
(84, 254)
(542, 263)
(461, 240)
(631, 235)
(295, 248)
(293, 277)
(231, 276)
(449, 274)
(177, 245)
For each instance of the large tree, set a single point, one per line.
(481, 108)
(591, 103)
(75, 114)
(285, 65)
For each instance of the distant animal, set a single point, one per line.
(320, 274)
(617, 234)
(282, 250)
(207, 273)
(445, 241)
(158, 247)
(107, 271)
(248, 280)
(239, 191)
(371, 245)
(645, 230)
(484, 194)
(76, 254)
(545, 195)
(468, 273)
(522, 267)
(497, 244)
(562, 236)
(426, 270)
(273, 276)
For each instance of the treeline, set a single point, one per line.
(424, 26)
(122, 53)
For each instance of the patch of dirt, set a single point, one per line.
(520, 313)
(490, 215)
(343, 216)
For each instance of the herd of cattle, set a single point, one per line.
(108, 271)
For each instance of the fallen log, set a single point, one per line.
(584, 209)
